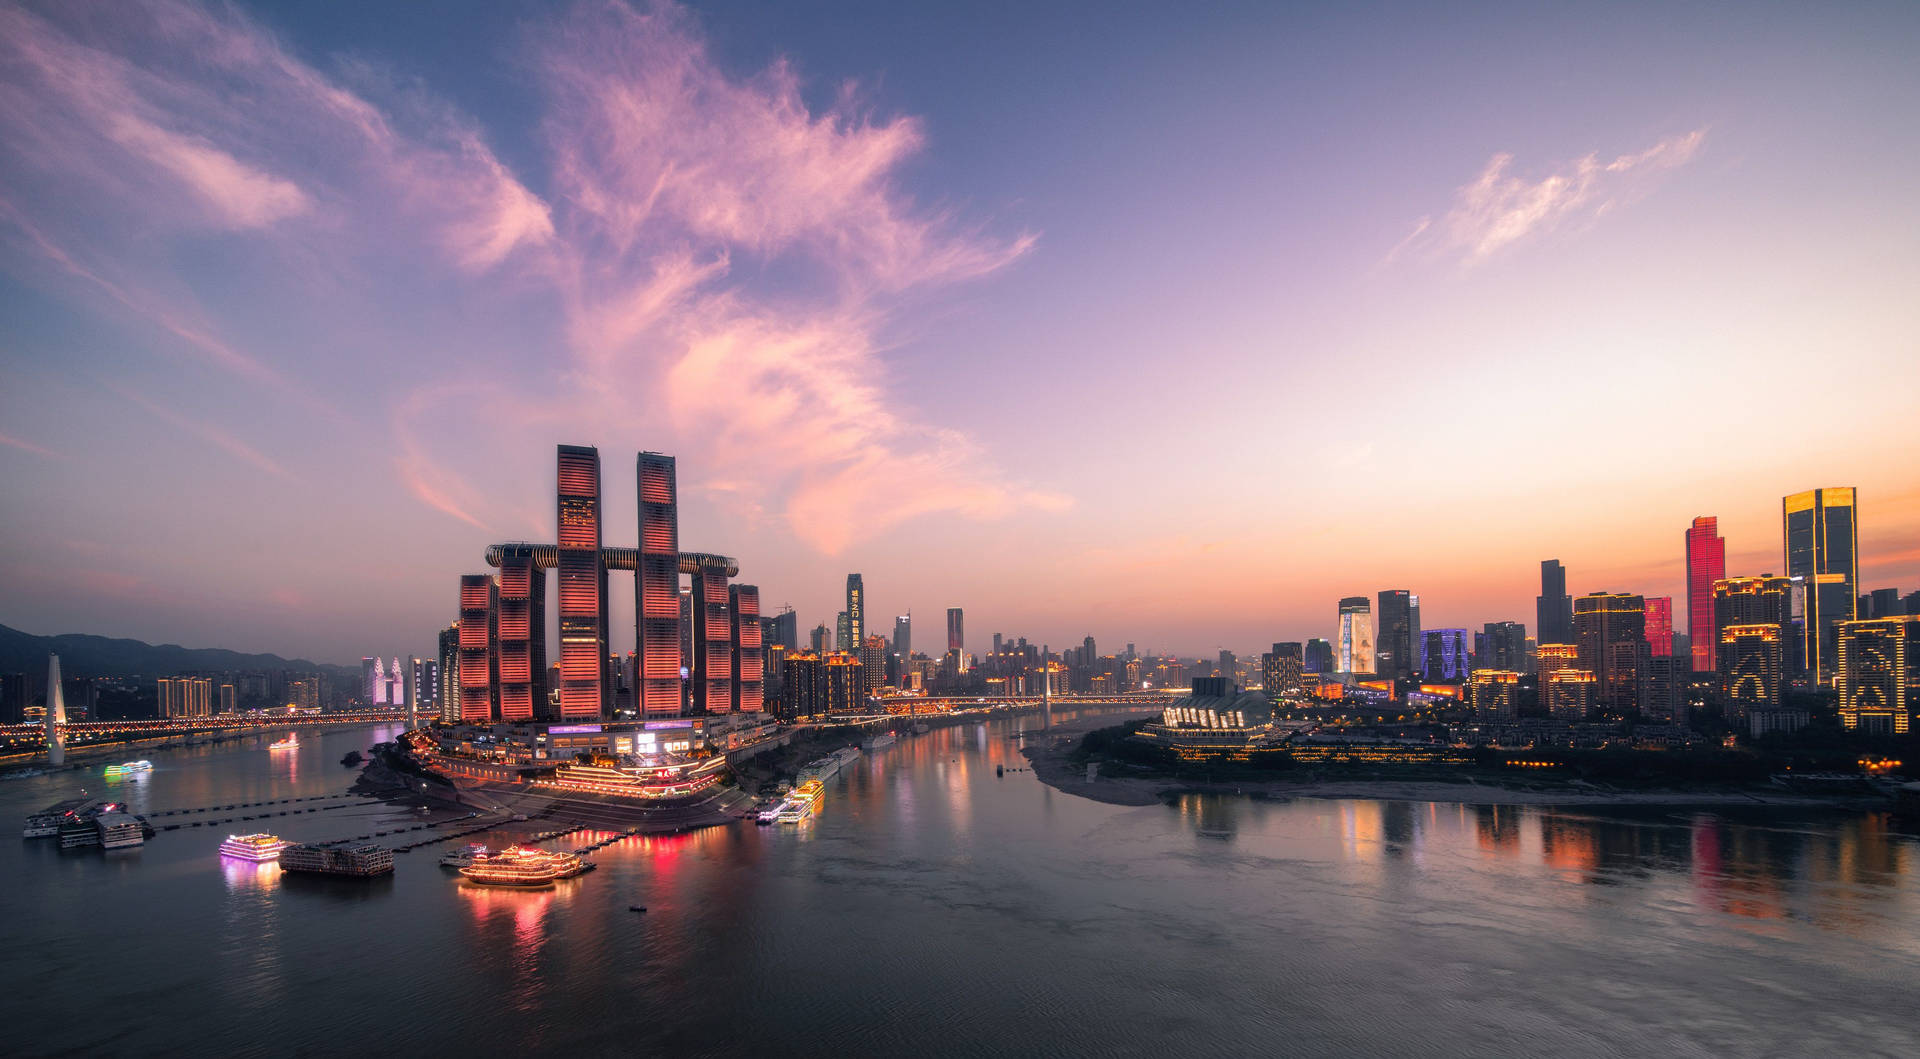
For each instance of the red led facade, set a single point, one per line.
(656, 584)
(522, 639)
(583, 587)
(1706, 563)
(479, 665)
(712, 640)
(749, 653)
(1659, 610)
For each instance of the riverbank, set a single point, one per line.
(1055, 764)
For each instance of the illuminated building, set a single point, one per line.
(800, 690)
(1396, 644)
(1280, 670)
(856, 611)
(1821, 534)
(228, 699)
(584, 688)
(1553, 658)
(1764, 600)
(1495, 694)
(1659, 619)
(1503, 645)
(841, 684)
(1443, 654)
(1355, 635)
(957, 639)
(372, 681)
(1568, 695)
(185, 697)
(1752, 666)
(1878, 667)
(873, 664)
(522, 646)
(477, 665)
(1553, 609)
(1706, 564)
(1609, 633)
(843, 632)
(1319, 656)
(903, 635)
(749, 655)
(656, 587)
(446, 691)
(1663, 688)
(712, 638)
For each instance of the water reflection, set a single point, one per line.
(249, 876)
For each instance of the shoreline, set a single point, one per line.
(1053, 766)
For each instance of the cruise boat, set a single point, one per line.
(46, 823)
(79, 831)
(117, 830)
(800, 804)
(769, 814)
(820, 770)
(880, 740)
(128, 768)
(461, 858)
(526, 867)
(261, 847)
(291, 742)
(361, 862)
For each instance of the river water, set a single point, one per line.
(934, 908)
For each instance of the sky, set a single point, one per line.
(1157, 324)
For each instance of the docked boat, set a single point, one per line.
(128, 768)
(291, 742)
(820, 770)
(46, 823)
(880, 741)
(261, 847)
(768, 814)
(800, 804)
(117, 830)
(525, 867)
(361, 862)
(79, 831)
(461, 858)
(920, 728)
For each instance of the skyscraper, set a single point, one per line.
(1821, 534)
(478, 665)
(903, 636)
(1443, 655)
(1706, 563)
(712, 637)
(1553, 609)
(1751, 663)
(1395, 647)
(786, 629)
(1659, 610)
(856, 611)
(843, 632)
(584, 687)
(1355, 635)
(656, 587)
(1503, 646)
(1609, 634)
(800, 688)
(1495, 694)
(749, 655)
(873, 664)
(1878, 673)
(56, 714)
(957, 638)
(1318, 656)
(523, 639)
(1280, 670)
(446, 692)
(819, 638)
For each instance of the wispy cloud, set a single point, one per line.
(1499, 209)
(204, 431)
(27, 446)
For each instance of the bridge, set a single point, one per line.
(547, 556)
(136, 729)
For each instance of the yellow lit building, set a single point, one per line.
(1568, 693)
(1878, 673)
(1752, 660)
(1495, 694)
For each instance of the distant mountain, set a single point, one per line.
(100, 656)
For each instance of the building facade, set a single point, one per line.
(656, 589)
(1878, 666)
(1355, 635)
(1821, 535)
(584, 687)
(1706, 564)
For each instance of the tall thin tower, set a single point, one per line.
(856, 611)
(583, 586)
(1706, 563)
(656, 588)
(56, 714)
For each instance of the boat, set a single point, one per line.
(361, 862)
(117, 830)
(260, 847)
(79, 831)
(464, 856)
(920, 728)
(128, 768)
(636, 908)
(291, 742)
(525, 867)
(46, 823)
(880, 741)
(800, 804)
(768, 814)
(820, 770)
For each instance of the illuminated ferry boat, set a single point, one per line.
(291, 742)
(117, 830)
(128, 768)
(800, 804)
(461, 858)
(46, 823)
(525, 866)
(362, 862)
(261, 847)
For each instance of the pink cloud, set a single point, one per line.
(28, 446)
(205, 431)
(1499, 209)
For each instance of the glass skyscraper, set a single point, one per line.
(1820, 531)
(1706, 563)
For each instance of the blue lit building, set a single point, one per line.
(1443, 654)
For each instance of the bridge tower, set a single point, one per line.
(56, 714)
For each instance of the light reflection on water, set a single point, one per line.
(933, 906)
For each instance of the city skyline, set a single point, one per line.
(347, 368)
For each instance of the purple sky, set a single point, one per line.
(1121, 321)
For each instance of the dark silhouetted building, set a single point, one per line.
(1395, 648)
(1553, 608)
(1319, 656)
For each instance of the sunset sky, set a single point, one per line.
(1159, 323)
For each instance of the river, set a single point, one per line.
(936, 908)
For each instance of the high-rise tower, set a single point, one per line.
(1610, 637)
(584, 686)
(56, 714)
(1356, 635)
(656, 588)
(1553, 608)
(712, 636)
(749, 653)
(1821, 533)
(1395, 651)
(1706, 563)
(856, 611)
(523, 639)
(479, 666)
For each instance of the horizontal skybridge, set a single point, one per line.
(547, 556)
